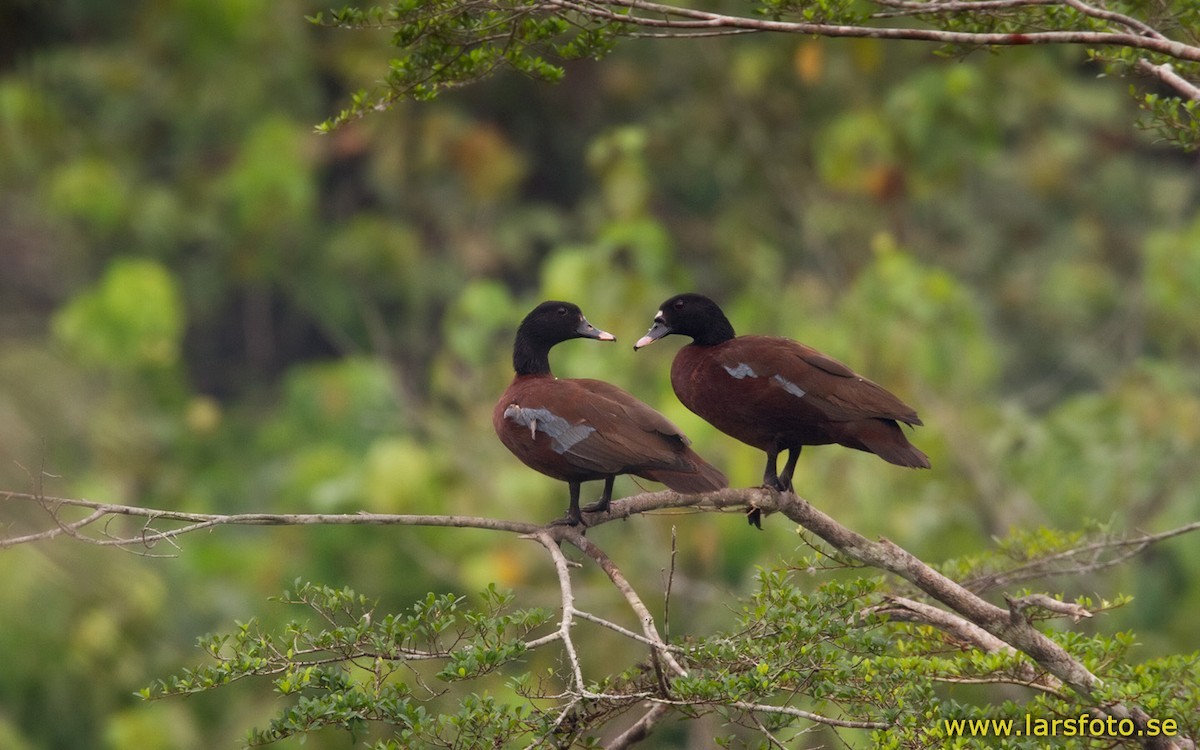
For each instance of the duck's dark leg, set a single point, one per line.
(601, 505)
(770, 481)
(573, 517)
(775, 481)
(785, 479)
(770, 478)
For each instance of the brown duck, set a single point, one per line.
(777, 394)
(577, 430)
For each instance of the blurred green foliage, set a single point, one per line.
(206, 306)
(133, 319)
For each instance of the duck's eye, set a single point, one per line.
(678, 304)
(561, 311)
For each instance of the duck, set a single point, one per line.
(578, 429)
(777, 394)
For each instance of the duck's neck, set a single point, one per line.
(718, 331)
(531, 358)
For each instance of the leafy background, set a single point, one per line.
(206, 306)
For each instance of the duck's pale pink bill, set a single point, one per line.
(589, 331)
(656, 332)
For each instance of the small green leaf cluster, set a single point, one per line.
(1173, 118)
(848, 12)
(1163, 688)
(489, 644)
(444, 44)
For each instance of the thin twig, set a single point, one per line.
(800, 713)
(582, 615)
(667, 592)
(1014, 681)
(148, 537)
(68, 529)
(1119, 19)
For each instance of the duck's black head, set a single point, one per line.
(689, 315)
(546, 325)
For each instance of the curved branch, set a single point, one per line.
(1120, 19)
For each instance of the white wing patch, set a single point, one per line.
(563, 435)
(789, 386)
(741, 371)
(744, 370)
